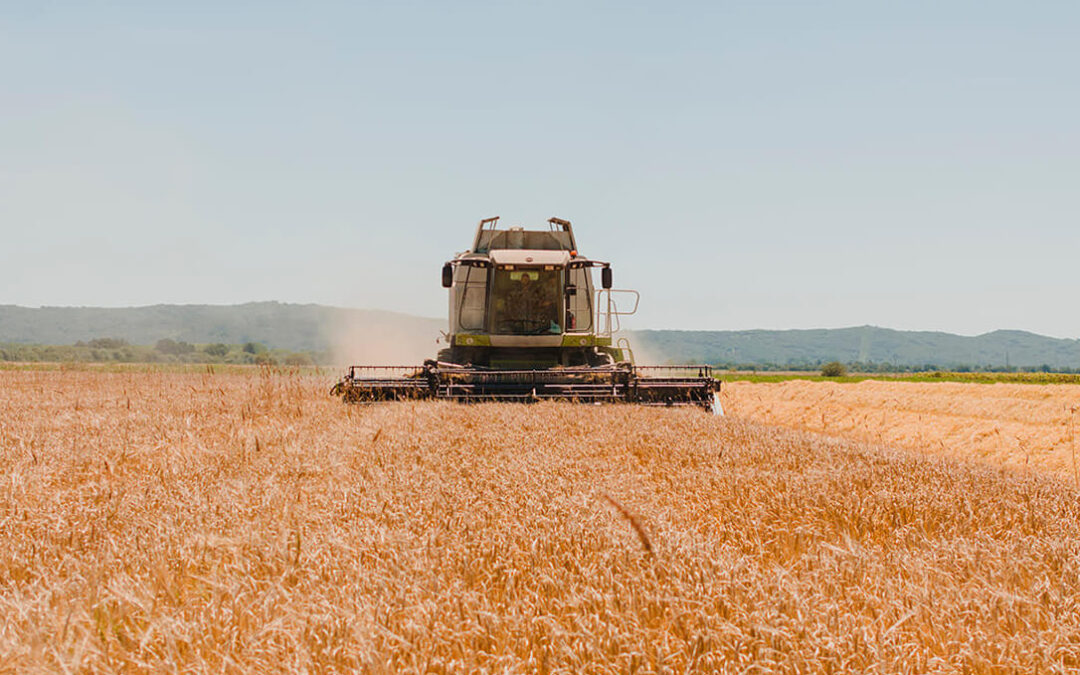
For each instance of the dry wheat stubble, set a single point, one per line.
(253, 524)
(1023, 426)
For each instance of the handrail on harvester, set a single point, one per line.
(608, 312)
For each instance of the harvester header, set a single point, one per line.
(526, 323)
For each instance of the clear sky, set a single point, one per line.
(912, 165)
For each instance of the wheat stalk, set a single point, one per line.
(634, 522)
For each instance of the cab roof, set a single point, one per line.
(559, 236)
(529, 257)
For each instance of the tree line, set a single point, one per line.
(838, 368)
(165, 350)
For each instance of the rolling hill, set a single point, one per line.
(388, 336)
(864, 344)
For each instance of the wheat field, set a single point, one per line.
(234, 523)
(1022, 426)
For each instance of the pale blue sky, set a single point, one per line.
(744, 165)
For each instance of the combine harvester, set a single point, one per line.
(526, 324)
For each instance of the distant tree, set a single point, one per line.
(265, 360)
(216, 349)
(254, 348)
(107, 343)
(168, 346)
(833, 369)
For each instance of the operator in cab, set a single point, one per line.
(532, 306)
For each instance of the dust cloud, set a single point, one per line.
(646, 355)
(382, 338)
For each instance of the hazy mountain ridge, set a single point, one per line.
(280, 325)
(864, 344)
(318, 327)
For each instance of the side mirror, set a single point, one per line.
(605, 277)
(447, 275)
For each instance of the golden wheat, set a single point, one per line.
(1016, 425)
(229, 523)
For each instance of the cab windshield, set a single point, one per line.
(526, 302)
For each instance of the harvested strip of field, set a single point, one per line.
(1015, 425)
(219, 523)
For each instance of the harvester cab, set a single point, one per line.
(527, 323)
(523, 299)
